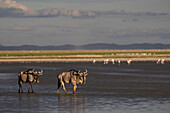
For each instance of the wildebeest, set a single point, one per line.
(72, 76)
(28, 76)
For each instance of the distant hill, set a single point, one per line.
(88, 47)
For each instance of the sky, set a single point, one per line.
(79, 22)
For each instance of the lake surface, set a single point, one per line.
(136, 88)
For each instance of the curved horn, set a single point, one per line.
(41, 70)
(79, 71)
(86, 70)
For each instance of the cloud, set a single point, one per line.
(51, 12)
(11, 12)
(77, 13)
(10, 8)
(20, 28)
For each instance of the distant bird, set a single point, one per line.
(129, 62)
(158, 61)
(163, 61)
(118, 62)
(94, 61)
(106, 61)
(113, 61)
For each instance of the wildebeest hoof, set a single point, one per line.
(68, 92)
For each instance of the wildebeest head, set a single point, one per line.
(83, 76)
(36, 75)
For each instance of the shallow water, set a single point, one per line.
(136, 88)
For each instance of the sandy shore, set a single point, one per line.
(84, 55)
(78, 59)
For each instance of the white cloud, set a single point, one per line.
(20, 28)
(12, 9)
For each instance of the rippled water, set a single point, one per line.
(136, 88)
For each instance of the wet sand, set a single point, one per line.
(139, 87)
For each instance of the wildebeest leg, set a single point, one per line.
(20, 86)
(30, 86)
(63, 87)
(59, 85)
(74, 90)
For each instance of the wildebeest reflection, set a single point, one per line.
(71, 104)
(28, 76)
(73, 77)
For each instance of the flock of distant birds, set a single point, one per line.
(106, 61)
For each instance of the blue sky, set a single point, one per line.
(44, 22)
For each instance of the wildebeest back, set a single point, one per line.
(24, 77)
(67, 77)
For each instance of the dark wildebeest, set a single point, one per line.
(28, 76)
(73, 77)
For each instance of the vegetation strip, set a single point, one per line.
(83, 52)
(84, 55)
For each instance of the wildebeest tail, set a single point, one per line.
(19, 74)
(59, 83)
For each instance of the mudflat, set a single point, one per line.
(138, 87)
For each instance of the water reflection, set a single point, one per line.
(28, 103)
(71, 104)
(53, 103)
